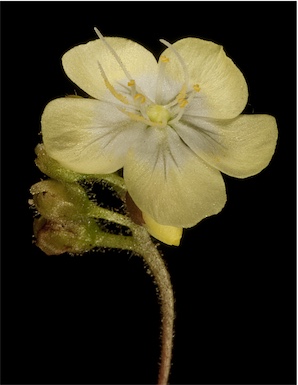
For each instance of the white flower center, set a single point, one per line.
(138, 107)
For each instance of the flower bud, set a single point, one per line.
(55, 199)
(52, 168)
(55, 237)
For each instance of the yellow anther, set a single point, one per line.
(118, 96)
(182, 93)
(140, 118)
(131, 83)
(182, 103)
(196, 87)
(164, 59)
(140, 97)
(181, 97)
(134, 116)
(109, 86)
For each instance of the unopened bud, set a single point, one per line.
(55, 237)
(55, 199)
(52, 168)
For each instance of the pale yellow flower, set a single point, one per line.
(173, 125)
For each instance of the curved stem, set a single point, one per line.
(140, 242)
(152, 258)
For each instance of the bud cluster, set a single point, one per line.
(66, 219)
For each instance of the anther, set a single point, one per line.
(164, 59)
(196, 87)
(140, 97)
(182, 103)
(139, 118)
(109, 86)
(178, 56)
(181, 97)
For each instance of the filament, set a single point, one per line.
(109, 86)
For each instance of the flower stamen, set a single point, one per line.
(140, 98)
(181, 61)
(109, 86)
(132, 85)
(164, 59)
(181, 97)
(131, 82)
(139, 118)
(159, 84)
(196, 87)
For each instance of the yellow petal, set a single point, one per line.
(86, 135)
(81, 66)
(167, 234)
(169, 182)
(223, 89)
(240, 147)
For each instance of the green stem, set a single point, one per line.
(140, 242)
(114, 241)
(95, 211)
(154, 261)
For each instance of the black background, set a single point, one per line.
(95, 318)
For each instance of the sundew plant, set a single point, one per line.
(159, 133)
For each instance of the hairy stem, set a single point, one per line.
(152, 258)
(113, 241)
(100, 212)
(140, 242)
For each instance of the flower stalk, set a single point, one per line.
(141, 244)
(161, 277)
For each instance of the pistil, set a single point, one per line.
(158, 114)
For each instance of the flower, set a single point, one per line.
(173, 125)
